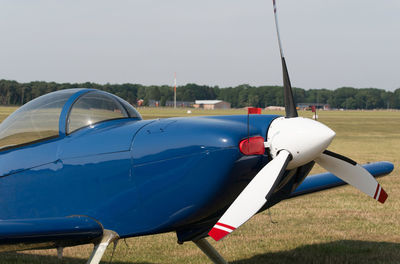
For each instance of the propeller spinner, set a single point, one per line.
(293, 141)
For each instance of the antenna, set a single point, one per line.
(175, 90)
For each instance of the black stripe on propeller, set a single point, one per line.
(290, 106)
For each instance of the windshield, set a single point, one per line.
(34, 121)
(92, 108)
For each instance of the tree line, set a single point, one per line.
(15, 93)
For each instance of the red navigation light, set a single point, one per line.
(252, 146)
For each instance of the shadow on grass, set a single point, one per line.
(344, 251)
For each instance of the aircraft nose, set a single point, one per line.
(304, 138)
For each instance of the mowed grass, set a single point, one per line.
(336, 226)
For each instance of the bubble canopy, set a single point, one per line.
(60, 113)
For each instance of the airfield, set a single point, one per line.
(336, 226)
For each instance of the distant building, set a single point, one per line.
(212, 104)
(275, 108)
(179, 104)
(307, 106)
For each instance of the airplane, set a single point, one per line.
(81, 166)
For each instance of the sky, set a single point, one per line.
(327, 44)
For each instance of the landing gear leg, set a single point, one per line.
(210, 251)
(99, 249)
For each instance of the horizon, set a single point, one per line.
(211, 86)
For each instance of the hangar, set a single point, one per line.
(212, 104)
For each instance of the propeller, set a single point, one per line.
(290, 106)
(241, 210)
(352, 173)
(293, 142)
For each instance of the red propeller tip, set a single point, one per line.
(220, 230)
(380, 194)
(383, 196)
(217, 234)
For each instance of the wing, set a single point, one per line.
(21, 234)
(324, 181)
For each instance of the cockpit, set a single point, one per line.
(61, 113)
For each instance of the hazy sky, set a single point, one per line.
(327, 43)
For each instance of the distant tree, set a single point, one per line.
(340, 96)
(243, 99)
(14, 93)
(396, 99)
(350, 103)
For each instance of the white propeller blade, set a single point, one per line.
(352, 173)
(252, 198)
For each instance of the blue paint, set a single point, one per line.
(27, 157)
(61, 230)
(105, 137)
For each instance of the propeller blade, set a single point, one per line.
(290, 106)
(253, 197)
(352, 173)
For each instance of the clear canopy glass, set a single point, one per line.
(92, 108)
(34, 121)
(40, 118)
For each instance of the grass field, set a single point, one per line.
(335, 226)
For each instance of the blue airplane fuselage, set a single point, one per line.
(134, 176)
